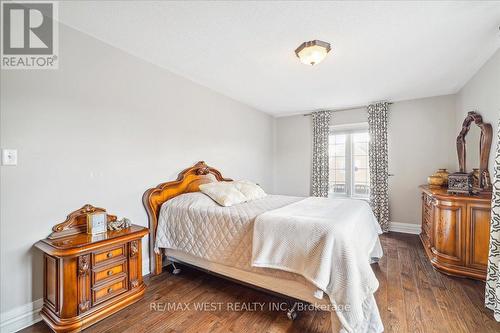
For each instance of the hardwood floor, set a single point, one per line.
(412, 298)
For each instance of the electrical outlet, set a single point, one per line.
(9, 156)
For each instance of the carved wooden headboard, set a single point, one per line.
(188, 180)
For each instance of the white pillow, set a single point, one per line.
(224, 193)
(250, 190)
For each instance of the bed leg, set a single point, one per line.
(176, 270)
(292, 313)
(157, 269)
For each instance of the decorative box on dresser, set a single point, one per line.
(87, 278)
(455, 231)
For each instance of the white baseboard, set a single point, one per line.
(21, 317)
(406, 228)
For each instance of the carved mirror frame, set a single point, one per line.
(484, 148)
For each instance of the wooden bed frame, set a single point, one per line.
(188, 180)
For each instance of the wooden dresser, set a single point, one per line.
(455, 231)
(87, 278)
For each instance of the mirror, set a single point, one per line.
(473, 148)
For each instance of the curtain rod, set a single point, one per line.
(347, 109)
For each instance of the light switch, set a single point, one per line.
(9, 156)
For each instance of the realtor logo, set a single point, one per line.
(29, 35)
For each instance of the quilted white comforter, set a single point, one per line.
(195, 224)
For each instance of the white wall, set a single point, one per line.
(102, 129)
(292, 156)
(421, 140)
(482, 94)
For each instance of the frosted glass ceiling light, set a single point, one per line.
(312, 52)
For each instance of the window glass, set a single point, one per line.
(349, 170)
(338, 164)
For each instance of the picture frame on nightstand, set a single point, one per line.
(97, 223)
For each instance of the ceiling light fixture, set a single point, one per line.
(312, 52)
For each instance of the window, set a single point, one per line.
(349, 171)
(337, 164)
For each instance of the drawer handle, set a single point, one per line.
(110, 254)
(110, 290)
(110, 273)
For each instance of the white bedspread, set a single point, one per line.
(331, 243)
(195, 224)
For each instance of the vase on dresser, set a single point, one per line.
(443, 173)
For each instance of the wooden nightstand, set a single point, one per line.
(87, 278)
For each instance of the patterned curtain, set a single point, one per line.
(378, 163)
(320, 165)
(492, 300)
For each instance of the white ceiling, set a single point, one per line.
(392, 50)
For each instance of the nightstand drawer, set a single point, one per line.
(108, 272)
(109, 290)
(102, 257)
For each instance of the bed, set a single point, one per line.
(188, 227)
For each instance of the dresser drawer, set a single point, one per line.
(103, 257)
(109, 290)
(108, 272)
